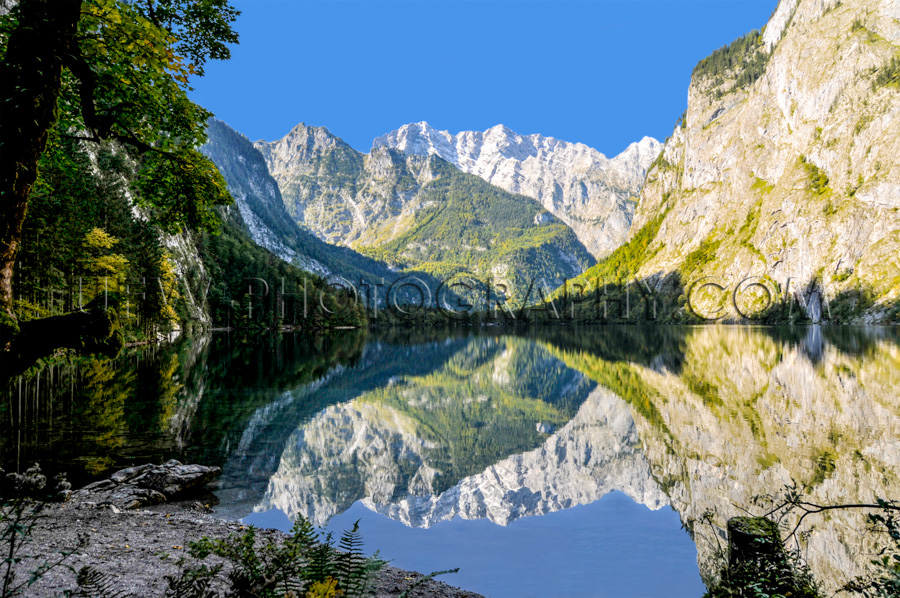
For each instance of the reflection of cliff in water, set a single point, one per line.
(595, 453)
(749, 411)
(255, 455)
(419, 435)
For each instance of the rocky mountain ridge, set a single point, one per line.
(341, 195)
(591, 193)
(420, 212)
(260, 209)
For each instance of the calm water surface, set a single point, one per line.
(560, 462)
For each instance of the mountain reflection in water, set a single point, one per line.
(430, 430)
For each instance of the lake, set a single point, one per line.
(569, 462)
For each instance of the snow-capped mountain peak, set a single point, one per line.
(573, 181)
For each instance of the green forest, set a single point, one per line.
(108, 204)
(743, 60)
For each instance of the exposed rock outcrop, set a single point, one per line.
(144, 485)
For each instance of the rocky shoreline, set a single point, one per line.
(136, 527)
(140, 548)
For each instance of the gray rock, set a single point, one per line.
(144, 485)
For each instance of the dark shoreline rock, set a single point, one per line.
(145, 485)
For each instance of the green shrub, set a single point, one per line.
(889, 75)
(818, 180)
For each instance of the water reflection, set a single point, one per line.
(428, 430)
(189, 401)
(490, 433)
(750, 411)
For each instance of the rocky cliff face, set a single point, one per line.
(591, 193)
(193, 276)
(256, 196)
(259, 209)
(341, 195)
(786, 167)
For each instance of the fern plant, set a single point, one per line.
(304, 564)
(350, 564)
(94, 584)
(194, 582)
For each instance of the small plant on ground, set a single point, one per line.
(304, 564)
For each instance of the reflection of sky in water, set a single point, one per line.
(456, 430)
(612, 548)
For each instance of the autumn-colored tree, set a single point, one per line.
(99, 70)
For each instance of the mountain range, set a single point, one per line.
(310, 198)
(782, 172)
(591, 193)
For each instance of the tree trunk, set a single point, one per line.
(30, 81)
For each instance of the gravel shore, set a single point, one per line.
(140, 548)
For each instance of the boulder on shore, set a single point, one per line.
(144, 485)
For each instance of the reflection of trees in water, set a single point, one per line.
(87, 415)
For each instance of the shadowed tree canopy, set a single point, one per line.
(117, 70)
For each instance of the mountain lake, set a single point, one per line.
(562, 462)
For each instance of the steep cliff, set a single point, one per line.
(785, 167)
(591, 193)
(260, 211)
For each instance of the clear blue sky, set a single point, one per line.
(600, 72)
